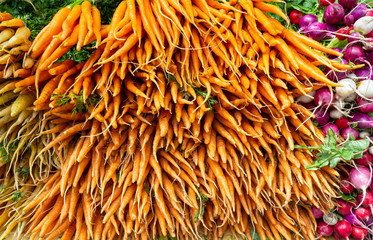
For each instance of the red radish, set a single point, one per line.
(363, 214)
(295, 16)
(367, 200)
(342, 32)
(326, 2)
(355, 36)
(346, 186)
(324, 229)
(348, 4)
(343, 207)
(342, 122)
(343, 229)
(307, 20)
(359, 233)
(369, 13)
(317, 213)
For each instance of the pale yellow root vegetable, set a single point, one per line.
(11, 69)
(21, 36)
(28, 62)
(6, 58)
(6, 34)
(6, 97)
(21, 103)
(24, 47)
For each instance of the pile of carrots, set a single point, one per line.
(181, 124)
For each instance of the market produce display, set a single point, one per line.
(185, 120)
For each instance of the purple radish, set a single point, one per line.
(348, 4)
(333, 13)
(354, 54)
(321, 116)
(364, 105)
(363, 120)
(307, 20)
(323, 97)
(316, 31)
(317, 213)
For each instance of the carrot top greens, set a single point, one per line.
(80, 105)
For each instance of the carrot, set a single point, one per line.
(69, 23)
(5, 16)
(96, 25)
(46, 93)
(44, 37)
(15, 22)
(87, 13)
(83, 30)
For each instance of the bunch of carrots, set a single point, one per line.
(181, 124)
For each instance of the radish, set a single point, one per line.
(367, 200)
(363, 120)
(342, 122)
(356, 13)
(364, 105)
(349, 87)
(364, 134)
(363, 214)
(295, 16)
(336, 114)
(321, 116)
(332, 126)
(323, 97)
(333, 13)
(324, 229)
(317, 213)
(364, 25)
(359, 233)
(366, 160)
(354, 54)
(307, 20)
(355, 36)
(326, 2)
(371, 150)
(330, 219)
(361, 178)
(306, 99)
(349, 131)
(316, 31)
(346, 186)
(365, 88)
(343, 207)
(343, 229)
(348, 4)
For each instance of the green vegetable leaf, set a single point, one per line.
(330, 153)
(347, 197)
(80, 105)
(202, 199)
(16, 196)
